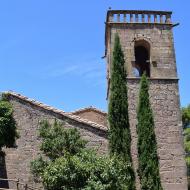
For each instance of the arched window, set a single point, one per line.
(142, 58)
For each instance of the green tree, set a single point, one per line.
(187, 146)
(186, 116)
(186, 127)
(187, 150)
(56, 141)
(147, 146)
(71, 166)
(119, 133)
(8, 133)
(86, 171)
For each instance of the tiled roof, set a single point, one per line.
(89, 109)
(57, 111)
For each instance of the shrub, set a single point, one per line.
(87, 171)
(186, 116)
(187, 148)
(8, 133)
(56, 140)
(71, 166)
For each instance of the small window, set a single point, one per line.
(142, 58)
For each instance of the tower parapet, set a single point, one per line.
(143, 33)
(136, 16)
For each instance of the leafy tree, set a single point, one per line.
(71, 166)
(187, 150)
(186, 126)
(8, 133)
(37, 168)
(147, 146)
(187, 144)
(56, 141)
(186, 116)
(86, 171)
(119, 133)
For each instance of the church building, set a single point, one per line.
(147, 42)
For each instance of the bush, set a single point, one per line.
(186, 127)
(56, 140)
(8, 133)
(187, 148)
(77, 167)
(186, 116)
(87, 171)
(37, 167)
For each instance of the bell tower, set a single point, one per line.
(147, 42)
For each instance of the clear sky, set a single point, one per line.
(51, 50)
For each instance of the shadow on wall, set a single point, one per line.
(3, 171)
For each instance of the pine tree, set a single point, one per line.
(119, 133)
(147, 146)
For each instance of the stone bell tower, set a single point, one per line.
(147, 42)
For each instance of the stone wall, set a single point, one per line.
(168, 128)
(92, 115)
(28, 116)
(165, 104)
(157, 39)
(160, 39)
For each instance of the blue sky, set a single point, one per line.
(51, 50)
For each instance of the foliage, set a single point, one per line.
(86, 171)
(186, 116)
(187, 148)
(78, 169)
(8, 133)
(38, 166)
(119, 133)
(186, 126)
(187, 140)
(147, 146)
(56, 140)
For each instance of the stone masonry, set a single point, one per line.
(152, 30)
(28, 113)
(92, 114)
(165, 104)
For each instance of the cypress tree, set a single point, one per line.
(119, 133)
(147, 146)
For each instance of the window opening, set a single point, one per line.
(142, 60)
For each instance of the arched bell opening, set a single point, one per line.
(142, 58)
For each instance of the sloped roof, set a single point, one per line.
(55, 110)
(82, 110)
